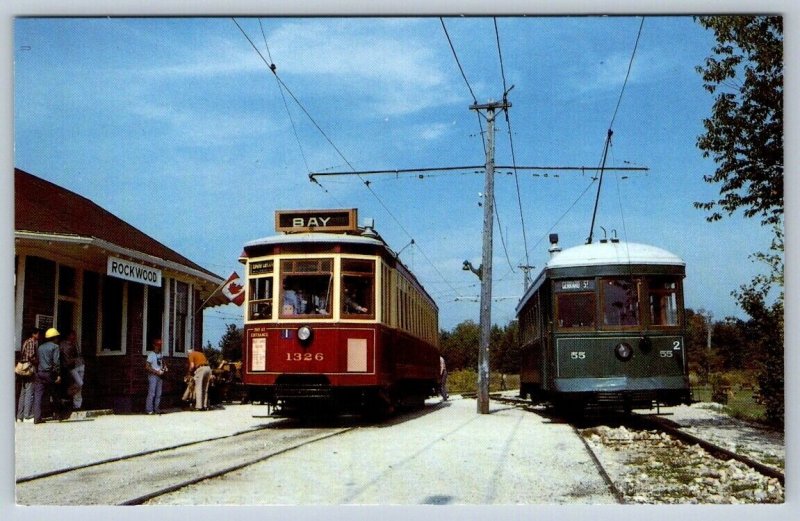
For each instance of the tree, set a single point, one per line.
(745, 137)
(744, 134)
(765, 330)
(231, 343)
(460, 346)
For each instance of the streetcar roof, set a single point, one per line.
(307, 238)
(617, 252)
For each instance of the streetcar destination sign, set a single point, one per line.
(132, 271)
(316, 220)
(575, 285)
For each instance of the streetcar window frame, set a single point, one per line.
(311, 280)
(636, 307)
(572, 298)
(260, 297)
(357, 276)
(672, 294)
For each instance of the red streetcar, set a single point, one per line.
(334, 321)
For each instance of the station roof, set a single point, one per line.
(46, 213)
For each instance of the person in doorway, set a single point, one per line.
(443, 379)
(200, 370)
(73, 362)
(48, 371)
(156, 369)
(28, 354)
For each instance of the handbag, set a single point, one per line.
(24, 369)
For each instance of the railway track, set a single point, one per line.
(136, 478)
(658, 424)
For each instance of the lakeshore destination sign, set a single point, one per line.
(133, 272)
(293, 221)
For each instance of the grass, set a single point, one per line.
(466, 381)
(740, 402)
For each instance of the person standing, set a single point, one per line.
(71, 353)
(28, 354)
(48, 371)
(201, 372)
(155, 367)
(443, 379)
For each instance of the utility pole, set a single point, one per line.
(486, 265)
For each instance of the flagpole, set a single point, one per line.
(212, 294)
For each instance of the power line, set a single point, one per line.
(460, 68)
(455, 55)
(338, 151)
(513, 153)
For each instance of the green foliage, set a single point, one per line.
(744, 134)
(459, 347)
(466, 381)
(230, 345)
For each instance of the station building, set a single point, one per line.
(78, 267)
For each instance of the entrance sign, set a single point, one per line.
(133, 272)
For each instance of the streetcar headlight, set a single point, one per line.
(304, 333)
(624, 351)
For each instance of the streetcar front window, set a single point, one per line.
(306, 286)
(620, 302)
(663, 301)
(358, 294)
(575, 310)
(261, 298)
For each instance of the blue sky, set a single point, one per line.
(177, 126)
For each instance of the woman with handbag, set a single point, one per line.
(27, 356)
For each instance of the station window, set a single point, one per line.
(182, 319)
(112, 313)
(306, 287)
(155, 315)
(620, 302)
(575, 310)
(663, 301)
(358, 288)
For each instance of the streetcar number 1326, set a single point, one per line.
(305, 357)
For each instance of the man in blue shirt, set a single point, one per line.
(48, 372)
(155, 368)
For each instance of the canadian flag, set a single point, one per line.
(234, 289)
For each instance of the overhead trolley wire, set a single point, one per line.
(511, 143)
(608, 140)
(273, 69)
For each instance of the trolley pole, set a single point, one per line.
(486, 266)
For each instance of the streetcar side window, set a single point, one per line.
(663, 301)
(620, 302)
(575, 310)
(261, 298)
(358, 288)
(306, 286)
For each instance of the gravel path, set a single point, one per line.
(652, 468)
(447, 455)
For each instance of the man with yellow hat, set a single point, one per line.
(48, 372)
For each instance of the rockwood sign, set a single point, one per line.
(133, 272)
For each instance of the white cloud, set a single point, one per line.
(396, 70)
